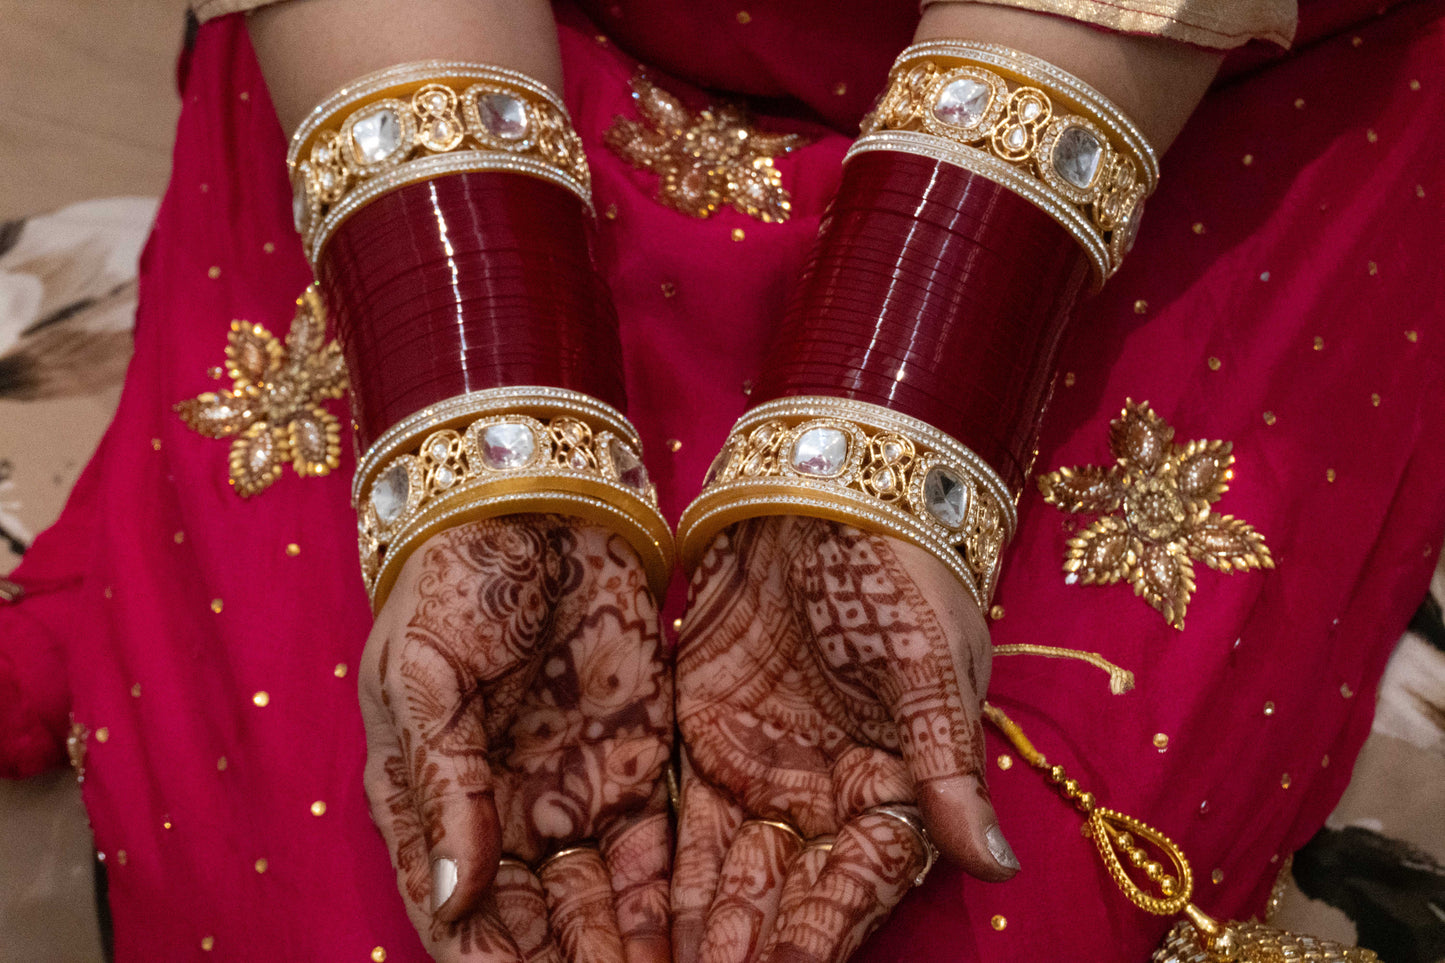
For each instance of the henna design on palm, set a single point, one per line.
(822, 672)
(519, 702)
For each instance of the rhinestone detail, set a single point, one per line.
(390, 493)
(946, 497)
(507, 446)
(377, 135)
(820, 452)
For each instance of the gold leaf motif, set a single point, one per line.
(1154, 512)
(273, 412)
(706, 159)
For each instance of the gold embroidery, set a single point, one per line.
(1154, 514)
(273, 410)
(705, 160)
(75, 746)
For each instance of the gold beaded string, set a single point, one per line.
(1120, 839)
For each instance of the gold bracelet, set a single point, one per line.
(422, 120)
(500, 452)
(864, 465)
(1027, 125)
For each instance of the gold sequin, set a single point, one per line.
(215, 372)
(669, 289)
(217, 605)
(1214, 363)
(340, 670)
(1284, 781)
(1375, 398)
(1419, 190)
(1325, 761)
(244, 95)
(747, 387)
(1414, 85)
(120, 857)
(318, 808)
(1412, 336)
(1356, 41)
(739, 234)
(1247, 159)
(268, 247)
(1371, 136)
(1217, 876)
(293, 549)
(1141, 306)
(208, 943)
(1319, 343)
(1269, 418)
(1345, 691)
(1330, 475)
(998, 923)
(1069, 380)
(1198, 227)
(996, 612)
(611, 212)
(378, 955)
(1149, 528)
(214, 272)
(1264, 276)
(262, 865)
(1005, 762)
(1269, 708)
(155, 444)
(676, 624)
(674, 445)
(222, 764)
(840, 89)
(108, 592)
(1161, 741)
(166, 823)
(135, 691)
(704, 159)
(744, 17)
(1299, 103)
(179, 537)
(206, 189)
(102, 734)
(1372, 268)
(262, 699)
(273, 412)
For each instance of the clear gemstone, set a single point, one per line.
(883, 481)
(507, 445)
(390, 493)
(820, 451)
(439, 450)
(963, 102)
(1131, 227)
(436, 101)
(892, 450)
(503, 116)
(1016, 138)
(442, 132)
(630, 470)
(1030, 109)
(445, 476)
(719, 465)
(946, 496)
(1077, 155)
(377, 135)
(578, 459)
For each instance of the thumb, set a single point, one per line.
(906, 630)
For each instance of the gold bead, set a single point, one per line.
(1168, 885)
(262, 865)
(208, 943)
(293, 549)
(1153, 870)
(262, 699)
(1071, 788)
(998, 923)
(1056, 774)
(1086, 801)
(378, 955)
(1138, 857)
(340, 670)
(318, 808)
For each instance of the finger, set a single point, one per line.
(522, 909)
(802, 876)
(873, 863)
(748, 891)
(891, 618)
(579, 900)
(706, 826)
(638, 854)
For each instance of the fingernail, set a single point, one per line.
(1003, 853)
(444, 880)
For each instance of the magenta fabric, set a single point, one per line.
(1283, 295)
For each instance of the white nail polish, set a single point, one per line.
(444, 881)
(1003, 853)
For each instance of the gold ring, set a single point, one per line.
(775, 824)
(563, 853)
(909, 817)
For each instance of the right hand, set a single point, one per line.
(518, 702)
(823, 672)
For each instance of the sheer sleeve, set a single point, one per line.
(1220, 24)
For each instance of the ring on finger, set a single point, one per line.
(910, 818)
(777, 824)
(562, 854)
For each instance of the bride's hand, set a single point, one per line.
(823, 673)
(517, 702)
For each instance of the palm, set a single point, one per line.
(823, 672)
(518, 703)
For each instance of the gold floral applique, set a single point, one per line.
(1154, 514)
(705, 159)
(273, 410)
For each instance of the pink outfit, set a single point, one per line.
(1284, 295)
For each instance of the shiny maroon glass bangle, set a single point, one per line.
(467, 282)
(936, 293)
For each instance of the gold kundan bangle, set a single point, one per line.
(1027, 125)
(862, 464)
(421, 120)
(500, 452)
